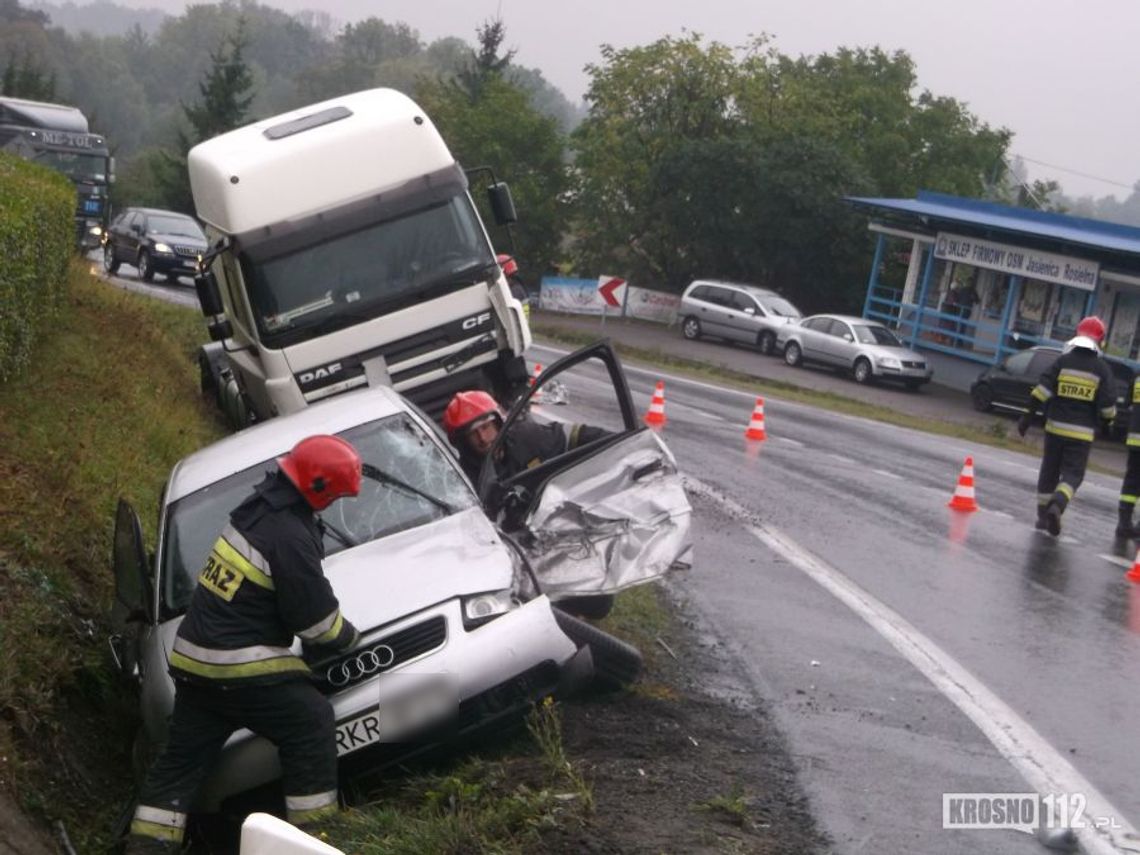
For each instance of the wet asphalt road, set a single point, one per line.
(1037, 639)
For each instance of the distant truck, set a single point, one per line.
(57, 136)
(346, 251)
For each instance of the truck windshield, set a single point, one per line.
(77, 167)
(396, 444)
(366, 273)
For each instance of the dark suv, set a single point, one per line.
(154, 241)
(1007, 386)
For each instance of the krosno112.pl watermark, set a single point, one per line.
(1026, 812)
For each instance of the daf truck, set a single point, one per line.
(345, 250)
(57, 136)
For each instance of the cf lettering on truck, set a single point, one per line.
(346, 251)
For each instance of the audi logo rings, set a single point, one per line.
(363, 664)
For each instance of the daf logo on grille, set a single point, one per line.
(322, 373)
(363, 664)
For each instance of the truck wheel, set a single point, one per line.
(616, 664)
(110, 263)
(145, 266)
(206, 379)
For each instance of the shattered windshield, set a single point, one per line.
(400, 449)
(360, 275)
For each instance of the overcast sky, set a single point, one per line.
(1062, 75)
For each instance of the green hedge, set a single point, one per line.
(37, 240)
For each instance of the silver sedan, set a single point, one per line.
(866, 348)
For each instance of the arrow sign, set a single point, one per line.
(612, 290)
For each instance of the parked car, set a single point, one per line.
(457, 613)
(154, 241)
(866, 348)
(734, 312)
(1007, 386)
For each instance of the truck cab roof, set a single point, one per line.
(314, 159)
(40, 114)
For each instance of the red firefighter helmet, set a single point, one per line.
(509, 265)
(466, 408)
(1093, 327)
(324, 468)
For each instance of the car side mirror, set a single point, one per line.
(502, 204)
(136, 228)
(848, 337)
(749, 310)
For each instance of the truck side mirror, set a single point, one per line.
(502, 205)
(209, 295)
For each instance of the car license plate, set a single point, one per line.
(423, 701)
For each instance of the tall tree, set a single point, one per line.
(223, 105)
(26, 79)
(485, 64)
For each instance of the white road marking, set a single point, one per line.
(842, 459)
(1002, 514)
(1038, 762)
(1117, 560)
(795, 443)
(887, 474)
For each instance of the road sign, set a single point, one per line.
(612, 290)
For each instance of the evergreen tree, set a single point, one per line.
(485, 63)
(25, 79)
(224, 105)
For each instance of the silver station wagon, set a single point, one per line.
(456, 608)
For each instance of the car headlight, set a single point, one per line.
(162, 247)
(480, 608)
(888, 362)
(96, 230)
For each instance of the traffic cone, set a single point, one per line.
(537, 397)
(656, 414)
(1133, 575)
(756, 425)
(963, 498)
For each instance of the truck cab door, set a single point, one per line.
(606, 514)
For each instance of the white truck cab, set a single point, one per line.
(346, 251)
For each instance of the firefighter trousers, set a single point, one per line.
(292, 715)
(1062, 470)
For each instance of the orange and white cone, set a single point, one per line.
(656, 414)
(537, 397)
(756, 425)
(963, 498)
(1133, 575)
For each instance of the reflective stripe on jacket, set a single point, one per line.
(261, 585)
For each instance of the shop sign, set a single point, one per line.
(1018, 261)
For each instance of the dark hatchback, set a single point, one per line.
(1007, 386)
(154, 241)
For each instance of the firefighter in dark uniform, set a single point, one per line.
(1078, 393)
(473, 420)
(231, 660)
(1130, 489)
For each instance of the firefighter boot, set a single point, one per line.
(1040, 524)
(1124, 529)
(1053, 519)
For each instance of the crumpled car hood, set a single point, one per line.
(390, 578)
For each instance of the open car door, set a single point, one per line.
(606, 513)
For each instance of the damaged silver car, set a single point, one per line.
(455, 591)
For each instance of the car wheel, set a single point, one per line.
(766, 342)
(691, 329)
(616, 664)
(862, 371)
(792, 354)
(983, 397)
(110, 263)
(145, 266)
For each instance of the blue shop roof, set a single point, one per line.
(1111, 237)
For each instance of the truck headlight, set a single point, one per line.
(480, 608)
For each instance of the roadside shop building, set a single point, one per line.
(978, 280)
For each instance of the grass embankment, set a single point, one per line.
(109, 402)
